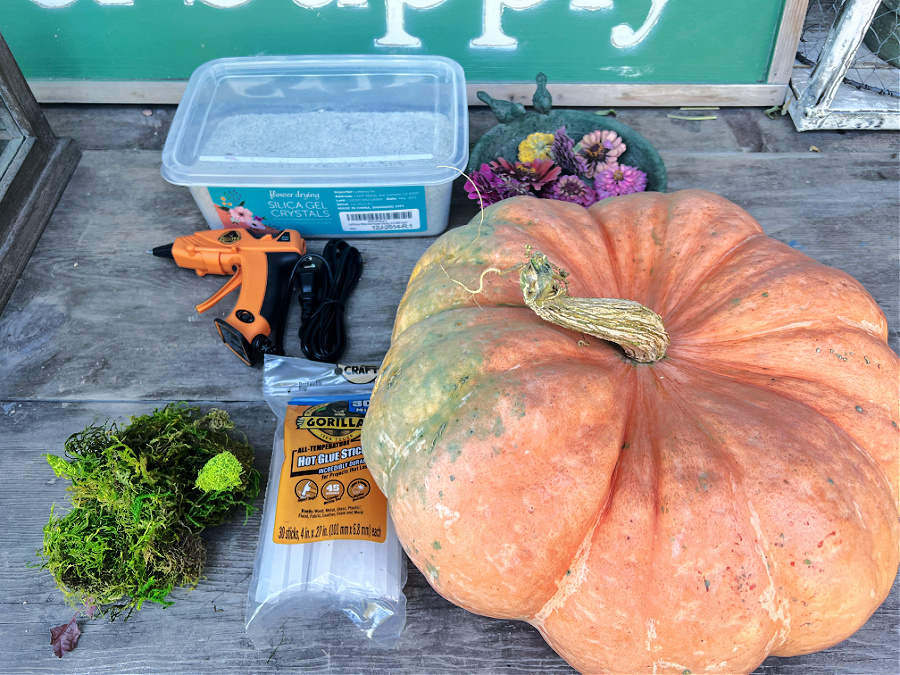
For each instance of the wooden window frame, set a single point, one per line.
(35, 170)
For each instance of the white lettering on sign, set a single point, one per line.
(396, 35)
(590, 4)
(492, 36)
(624, 35)
(52, 4)
(220, 4)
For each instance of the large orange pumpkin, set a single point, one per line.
(693, 513)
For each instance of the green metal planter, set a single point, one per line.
(515, 123)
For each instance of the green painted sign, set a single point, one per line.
(572, 41)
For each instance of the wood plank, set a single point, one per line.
(167, 92)
(203, 631)
(788, 38)
(739, 130)
(29, 191)
(19, 100)
(34, 170)
(91, 284)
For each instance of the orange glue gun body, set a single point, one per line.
(262, 265)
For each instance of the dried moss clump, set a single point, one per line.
(138, 510)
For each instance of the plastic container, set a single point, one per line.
(331, 146)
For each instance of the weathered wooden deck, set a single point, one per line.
(97, 329)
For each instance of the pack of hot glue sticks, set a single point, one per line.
(326, 541)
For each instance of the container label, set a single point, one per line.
(325, 490)
(323, 211)
(380, 221)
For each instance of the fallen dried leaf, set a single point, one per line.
(64, 638)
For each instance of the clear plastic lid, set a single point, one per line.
(320, 121)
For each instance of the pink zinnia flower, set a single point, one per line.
(571, 189)
(509, 179)
(600, 150)
(537, 173)
(241, 215)
(620, 180)
(531, 175)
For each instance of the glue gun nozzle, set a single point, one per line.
(163, 251)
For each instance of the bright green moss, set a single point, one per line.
(222, 472)
(139, 505)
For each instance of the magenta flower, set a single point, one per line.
(571, 189)
(600, 150)
(491, 186)
(620, 180)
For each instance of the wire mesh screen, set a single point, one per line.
(876, 65)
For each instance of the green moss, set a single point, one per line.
(222, 472)
(138, 506)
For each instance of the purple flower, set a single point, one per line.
(600, 150)
(563, 153)
(492, 186)
(571, 189)
(620, 180)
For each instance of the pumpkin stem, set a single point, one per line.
(637, 330)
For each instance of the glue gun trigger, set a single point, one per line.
(229, 286)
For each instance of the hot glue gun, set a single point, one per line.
(262, 265)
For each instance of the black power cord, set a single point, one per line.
(325, 284)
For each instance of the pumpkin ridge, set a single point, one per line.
(615, 270)
(791, 392)
(578, 563)
(671, 399)
(776, 285)
(777, 608)
(575, 575)
(866, 475)
(687, 295)
(577, 225)
(796, 328)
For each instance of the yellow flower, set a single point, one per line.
(535, 146)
